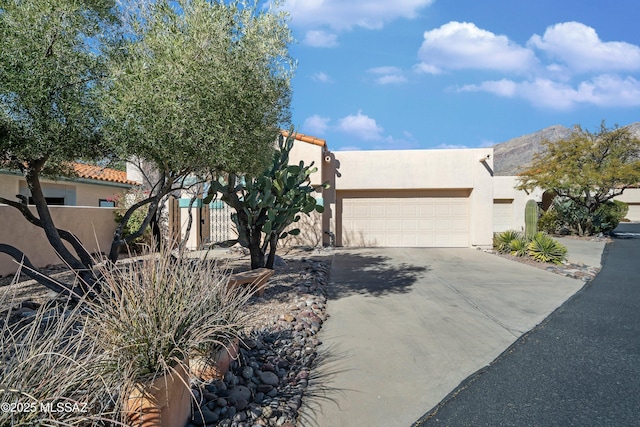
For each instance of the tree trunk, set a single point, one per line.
(257, 255)
(273, 244)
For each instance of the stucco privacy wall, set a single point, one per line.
(390, 170)
(93, 226)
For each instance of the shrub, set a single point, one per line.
(154, 312)
(502, 241)
(609, 215)
(123, 203)
(549, 221)
(573, 216)
(543, 248)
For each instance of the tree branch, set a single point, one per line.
(69, 237)
(39, 277)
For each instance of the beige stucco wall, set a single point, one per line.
(93, 226)
(308, 153)
(425, 169)
(75, 193)
(631, 196)
(504, 189)
(90, 194)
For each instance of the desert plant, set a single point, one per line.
(155, 311)
(136, 220)
(530, 218)
(519, 246)
(266, 206)
(49, 370)
(502, 241)
(609, 215)
(543, 248)
(549, 221)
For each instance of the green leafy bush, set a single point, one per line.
(609, 215)
(543, 248)
(549, 221)
(123, 203)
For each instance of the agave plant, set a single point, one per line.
(543, 248)
(519, 246)
(502, 241)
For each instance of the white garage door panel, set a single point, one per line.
(405, 221)
(502, 215)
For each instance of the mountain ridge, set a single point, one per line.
(515, 155)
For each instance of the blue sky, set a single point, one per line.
(413, 74)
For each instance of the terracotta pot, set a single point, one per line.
(215, 366)
(165, 402)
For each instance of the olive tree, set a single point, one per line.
(189, 87)
(198, 87)
(586, 170)
(50, 65)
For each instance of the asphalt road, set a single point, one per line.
(580, 367)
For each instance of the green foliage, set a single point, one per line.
(50, 64)
(200, 86)
(136, 220)
(502, 241)
(609, 215)
(543, 248)
(530, 219)
(585, 171)
(539, 247)
(267, 205)
(519, 246)
(549, 221)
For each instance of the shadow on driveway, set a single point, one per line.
(370, 275)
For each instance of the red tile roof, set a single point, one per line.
(99, 173)
(306, 138)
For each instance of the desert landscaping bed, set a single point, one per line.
(267, 382)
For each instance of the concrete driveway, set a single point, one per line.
(408, 325)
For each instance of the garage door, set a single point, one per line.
(502, 215)
(437, 218)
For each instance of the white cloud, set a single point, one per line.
(316, 125)
(346, 14)
(361, 126)
(427, 69)
(317, 38)
(578, 46)
(388, 75)
(602, 91)
(504, 87)
(321, 77)
(460, 45)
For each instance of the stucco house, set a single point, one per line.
(418, 198)
(402, 198)
(82, 205)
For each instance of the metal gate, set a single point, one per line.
(222, 227)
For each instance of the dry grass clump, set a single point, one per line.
(151, 315)
(48, 372)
